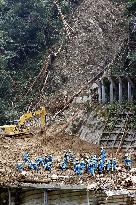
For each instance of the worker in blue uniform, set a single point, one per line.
(82, 164)
(49, 158)
(66, 156)
(128, 162)
(39, 161)
(78, 169)
(100, 166)
(103, 154)
(90, 168)
(26, 157)
(71, 157)
(48, 166)
(20, 167)
(95, 162)
(108, 165)
(33, 166)
(113, 165)
(63, 165)
(47, 162)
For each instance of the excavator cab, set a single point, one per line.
(26, 123)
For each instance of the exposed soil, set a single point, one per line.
(98, 27)
(12, 150)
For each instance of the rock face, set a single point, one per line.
(99, 29)
(92, 128)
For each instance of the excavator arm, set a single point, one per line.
(23, 126)
(27, 116)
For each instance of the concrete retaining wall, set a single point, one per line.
(64, 197)
(67, 198)
(34, 197)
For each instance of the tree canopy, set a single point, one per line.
(131, 57)
(27, 30)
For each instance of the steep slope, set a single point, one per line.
(99, 29)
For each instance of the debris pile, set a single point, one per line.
(13, 148)
(86, 164)
(48, 162)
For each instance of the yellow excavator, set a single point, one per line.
(26, 123)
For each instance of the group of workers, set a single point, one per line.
(88, 164)
(46, 162)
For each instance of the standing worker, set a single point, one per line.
(103, 154)
(113, 165)
(128, 162)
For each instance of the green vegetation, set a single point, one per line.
(131, 56)
(113, 112)
(126, 59)
(28, 29)
(131, 8)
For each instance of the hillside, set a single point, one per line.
(99, 31)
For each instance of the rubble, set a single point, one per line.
(36, 146)
(12, 150)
